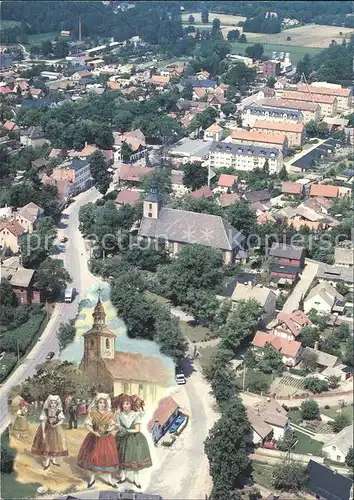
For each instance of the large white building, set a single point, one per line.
(252, 113)
(244, 157)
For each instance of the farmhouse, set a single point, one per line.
(324, 298)
(268, 421)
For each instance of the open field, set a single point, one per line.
(306, 445)
(333, 412)
(225, 19)
(296, 53)
(38, 39)
(311, 35)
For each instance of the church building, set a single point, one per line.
(180, 227)
(117, 372)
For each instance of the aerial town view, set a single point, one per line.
(176, 250)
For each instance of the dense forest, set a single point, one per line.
(155, 25)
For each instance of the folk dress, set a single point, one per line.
(133, 448)
(20, 425)
(99, 454)
(54, 444)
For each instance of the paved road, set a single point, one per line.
(306, 278)
(77, 267)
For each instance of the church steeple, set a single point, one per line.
(99, 315)
(153, 201)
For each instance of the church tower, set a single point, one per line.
(153, 201)
(99, 342)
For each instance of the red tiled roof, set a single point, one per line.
(10, 125)
(227, 180)
(133, 173)
(281, 126)
(284, 346)
(291, 188)
(307, 97)
(265, 217)
(127, 197)
(332, 91)
(326, 190)
(165, 409)
(227, 199)
(13, 226)
(256, 136)
(203, 191)
(133, 366)
(5, 90)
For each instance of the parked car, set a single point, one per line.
(63, 239)
(179, 375)
(50, 355)
(179, 420)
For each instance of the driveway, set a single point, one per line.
(306, 278)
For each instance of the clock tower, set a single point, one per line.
(99, 342)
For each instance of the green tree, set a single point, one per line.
(256, 382)
(271, 82)
(8, 454)
(242, 217)
(221, 376)
(87, 218)
(309, 360)
(310, 410)
(194, 175)
(56, 377)
(283, 174)
(100, 175)
(349, 459)
(255, 51)
(242, 38)
(226, 449)
(126, 151)
(61, 49)
(304, 66)
(309, 335)
(240, 324)
(348, 357)
(315, 385)
(288, 441)
(289, 476)
(7, 296)
(233, 35)
(168, 334)
(52, 277)
(340, 421)
(271, 360)
(47, 48)
(66, 334)
(204, 16)
(228, 108)
(333, 382)
(201, 304)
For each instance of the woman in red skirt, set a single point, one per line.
(98, 452)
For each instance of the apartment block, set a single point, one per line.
(344, 96)
(252, 113)
(256, 138)
(309, 110)
(295, 132)
(328, 103)
(244, 157)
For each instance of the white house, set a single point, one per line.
(338, 446)
(323, 298)
(214, 133)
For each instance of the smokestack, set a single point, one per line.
(316, 345)
(80, 29)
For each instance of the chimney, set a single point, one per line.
(316, 345)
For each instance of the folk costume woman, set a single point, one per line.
(132, 445)
(98, 452)
(20, 425)
(49, 440)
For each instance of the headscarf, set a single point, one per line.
(53, 398)
(94, 402)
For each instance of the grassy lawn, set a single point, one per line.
(156, 297)
(206, 353)
(262, 474)
(196, 333)
(296, 52)
(295, 416)
(306, 445)
(38, 39)
(332, 412)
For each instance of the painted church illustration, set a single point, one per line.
(118, 372)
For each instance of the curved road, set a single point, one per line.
(77, 267)
(182, 472)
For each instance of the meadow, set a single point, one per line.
(296, 52)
